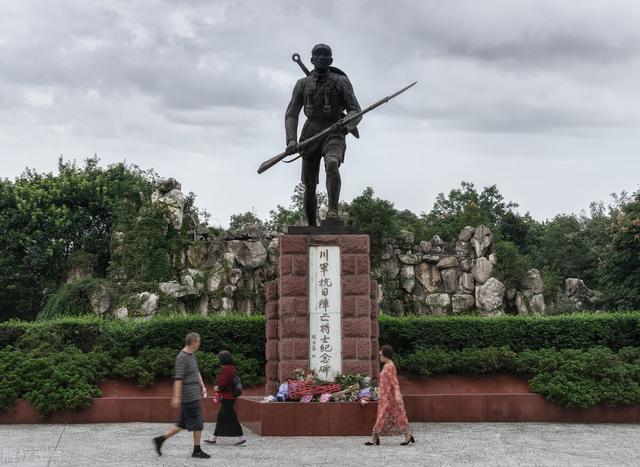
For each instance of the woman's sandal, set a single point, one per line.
(410, 440)
(369, 443)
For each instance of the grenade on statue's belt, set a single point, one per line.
(326, 108)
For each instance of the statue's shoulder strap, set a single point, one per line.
(337, 71)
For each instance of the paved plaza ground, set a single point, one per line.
(129, 444)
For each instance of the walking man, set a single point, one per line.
(325, 95)
(187, 386)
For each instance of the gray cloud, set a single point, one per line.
(174, 85)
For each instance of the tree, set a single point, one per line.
(521, 230)
(238, 222)
(407, 220)
(376, 217)
(512, 265)
(46, 220)
(620, 269)
(281, 217)
(465, 206)
(563, 248)
(595, 227)
(572, 245)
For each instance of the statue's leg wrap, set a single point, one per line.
(310, 172)
(310, 203)
(334, 182)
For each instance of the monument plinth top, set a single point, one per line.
(326, 227)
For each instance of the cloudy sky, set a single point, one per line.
(540, 98)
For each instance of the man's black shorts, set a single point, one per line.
(190, 416)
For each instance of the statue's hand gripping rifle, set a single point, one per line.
(340, 124)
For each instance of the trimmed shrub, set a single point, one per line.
(577, 360)
(463, 362)
(569, 377)
(246, 334)
(52, 381)
(59, 363)
(238, 333)
(580, 331)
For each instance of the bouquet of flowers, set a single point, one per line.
(307, 387)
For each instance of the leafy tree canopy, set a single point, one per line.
(47, 219)
(620, 268)
(466, 206)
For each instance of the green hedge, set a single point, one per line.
(575, 360)
(59, 363)
(573, 378)
(245, 334)
(51, 380)
(578, 331)
(239, 334)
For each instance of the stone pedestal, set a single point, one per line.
(288, 310)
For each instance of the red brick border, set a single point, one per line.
(444, 398)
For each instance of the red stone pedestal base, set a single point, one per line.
(306, 419)
(287, 308)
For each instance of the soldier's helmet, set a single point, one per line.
(321, 47)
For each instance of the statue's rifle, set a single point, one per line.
(342, 123)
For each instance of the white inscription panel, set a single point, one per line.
(325, 308)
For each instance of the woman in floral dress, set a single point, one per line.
(392, 418)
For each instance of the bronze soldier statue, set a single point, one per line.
(332, 111)
(325, 95)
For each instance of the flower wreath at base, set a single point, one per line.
(350, 387)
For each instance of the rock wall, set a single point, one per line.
(436, 279)
(577, 297)
(211, 274)
(229, 273)
(218, 274)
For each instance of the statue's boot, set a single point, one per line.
(333, 214)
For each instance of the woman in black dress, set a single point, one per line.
(227, 424)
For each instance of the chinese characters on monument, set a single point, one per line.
(324, 311)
